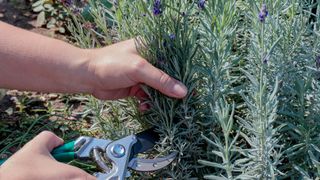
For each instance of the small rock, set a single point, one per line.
(53, 96)
(70, 118)
(53, 118)
(2, 93)
(9, 111)
(14, 99)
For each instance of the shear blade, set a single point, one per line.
(138, 164)
(145, 141)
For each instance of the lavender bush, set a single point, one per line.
(252, 71)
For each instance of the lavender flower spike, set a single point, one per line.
(172, 36)
(67, 3)
(318, 62)
(201, 4)
(263, 13)
(157, 8)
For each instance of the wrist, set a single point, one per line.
(83, 77)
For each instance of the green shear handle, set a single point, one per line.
(63, 153)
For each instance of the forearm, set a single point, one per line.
(29, 61)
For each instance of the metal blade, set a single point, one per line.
(145, 141)
(138, 164)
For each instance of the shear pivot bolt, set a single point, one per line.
(118, 151)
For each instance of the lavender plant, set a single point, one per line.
(92, 25)
(169, 31)
(252, 72)
(219, 34)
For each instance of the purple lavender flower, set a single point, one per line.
(67, 3)
(157, 10)
(166, 42)
(76, 11)
(160, 62)
(160, 59)
(318, 61)
(263, 13)
(201, 4)
(88, 25)
(265, 60)
(172, 36)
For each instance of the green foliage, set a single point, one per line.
(92, 26)
(92, 23)
(24, 117)
(171, 41)
(114, 119)
(51, 14)
(252, 108)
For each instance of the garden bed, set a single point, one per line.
(251, 68)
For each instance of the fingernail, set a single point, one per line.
(179, 90)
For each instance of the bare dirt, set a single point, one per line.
(19, 13)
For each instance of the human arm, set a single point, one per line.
(29, 61)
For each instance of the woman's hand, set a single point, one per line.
(29, 61)
(35, 162)
(117, 71)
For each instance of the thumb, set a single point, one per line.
(151, 76)
(46, 141)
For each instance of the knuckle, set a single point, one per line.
(43, 136)
(138, 65)
(48, 134)
(100, 94)
(165, 81)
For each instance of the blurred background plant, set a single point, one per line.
(55, 14)
(51, 14)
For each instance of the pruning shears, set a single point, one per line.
(122, 154)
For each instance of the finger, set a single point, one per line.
(137, 92)
(46, 140)
(121, 93)
(146, 73)
(112, 94)
(143, 107)
(71, 172)
(129, 45)
(141, 95)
